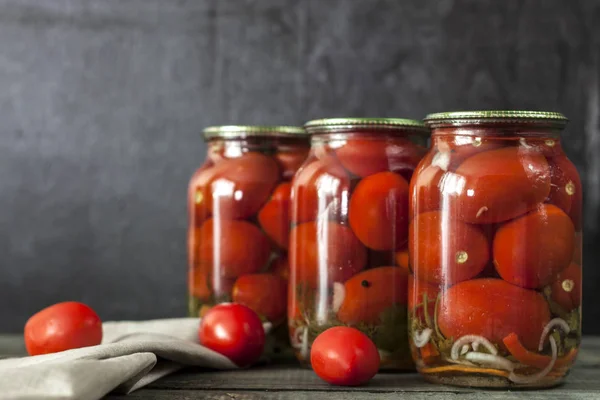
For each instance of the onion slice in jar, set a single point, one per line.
(339, 294)
(465, 349)
(525, 379)
(422, 338)
(491, 360)
(552, 324)
(468, 339)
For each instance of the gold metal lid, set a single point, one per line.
(329, 125)
(242, 131)
(495, 117)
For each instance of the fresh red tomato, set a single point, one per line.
(281, 267)
(235, 331)
(237, 247)
(369, 293)
(62, 326)
(379, 211)
(291, 161)
(236, 188)
(266, 294)
(344, 356)
(566, 290)
(274, 217)
(530, 251)
(366, 156)
(325, 250)
(498, 185)
(444, 250)
(566, 191)
(318, 189)
(493, 308)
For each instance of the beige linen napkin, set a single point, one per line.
(132, 355)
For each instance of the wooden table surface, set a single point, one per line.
(288, 381)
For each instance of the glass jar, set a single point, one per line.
(349, 233)
(495, 249)
(239, 219)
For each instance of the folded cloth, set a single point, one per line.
(132, 355)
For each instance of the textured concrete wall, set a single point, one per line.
(101, 104)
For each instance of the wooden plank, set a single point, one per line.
(290, 377)
(295, 379)
(344, 395)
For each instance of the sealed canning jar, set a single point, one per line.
(495, 251)
(239, 219)
(348, 259)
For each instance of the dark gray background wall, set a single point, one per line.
(101, 104)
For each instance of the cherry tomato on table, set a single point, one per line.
(266, 294)
(317, 247)
(379, 211)
(235, 331)
(344, 356)
(237, 246)
(531, 250)
(274, 217)
(61, 327)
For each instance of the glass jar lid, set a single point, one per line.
(496, 117)
(330, 125)
(243, 131)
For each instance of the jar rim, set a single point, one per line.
(243, 131)
(496, 117)
(330, 125)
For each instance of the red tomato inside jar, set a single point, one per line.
(495, 251)
(239, 223)
(350, 217)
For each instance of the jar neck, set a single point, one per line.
(339, 138)
(235, 147)
(499, 131)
